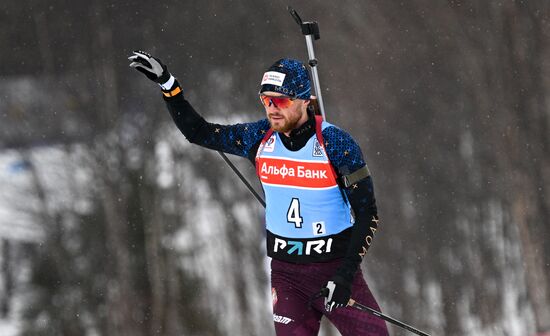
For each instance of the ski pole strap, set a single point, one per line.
(356, 176)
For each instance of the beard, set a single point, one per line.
(284, 124)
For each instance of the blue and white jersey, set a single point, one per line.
(302, 201)
(305, 208)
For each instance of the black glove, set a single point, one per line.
(150, 66)
(338, 291)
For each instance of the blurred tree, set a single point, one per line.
(447, 100)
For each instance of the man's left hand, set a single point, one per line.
(339, 293)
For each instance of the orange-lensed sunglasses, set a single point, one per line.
(279, 101)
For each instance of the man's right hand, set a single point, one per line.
(150, 66)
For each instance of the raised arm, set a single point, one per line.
(238, 139)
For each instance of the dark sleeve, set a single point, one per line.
(237, 139)
(346, 157)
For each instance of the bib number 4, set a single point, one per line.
(293, 213)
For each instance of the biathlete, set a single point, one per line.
(320, 210)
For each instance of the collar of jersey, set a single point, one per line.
(298, 137)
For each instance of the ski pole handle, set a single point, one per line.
(295, 15)
(311, 32)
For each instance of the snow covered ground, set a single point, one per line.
(16, 225)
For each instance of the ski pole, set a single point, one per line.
(354, 304)
(311, 32)
(243, 179)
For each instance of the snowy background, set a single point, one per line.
(111, 223)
